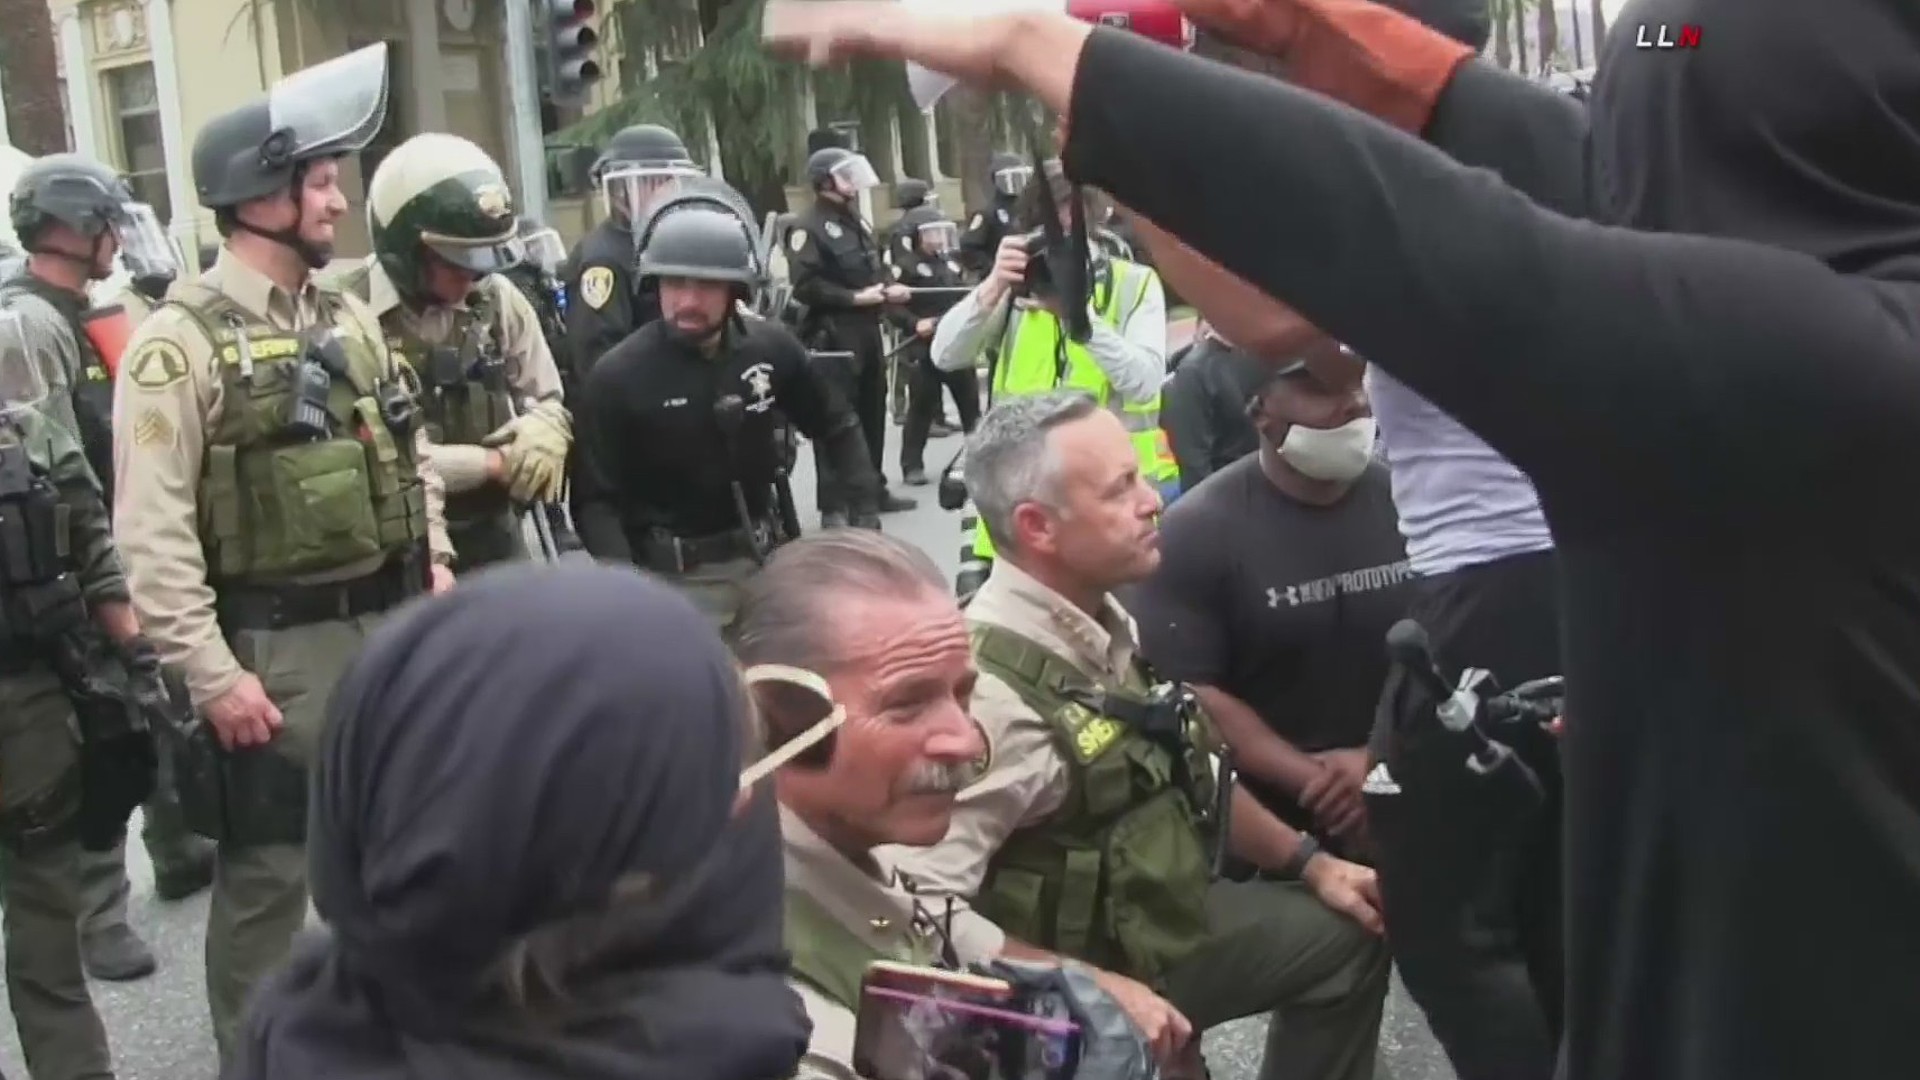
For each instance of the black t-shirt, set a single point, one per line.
(655, 438)
(1281, 604)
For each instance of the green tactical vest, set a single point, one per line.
(273, 507)
(831, 958)
(458, 402)
(1118, 877)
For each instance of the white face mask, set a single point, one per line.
(1336, 454)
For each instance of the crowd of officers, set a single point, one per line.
(242, 472)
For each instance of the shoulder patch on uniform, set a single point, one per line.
(798, 241)
(897, 275)
(152, 428)
(832, 230)
(953, 266)
(596, 286)
(1003, 215)
(978, 220)
(158, 365)
(921, 269)
(979, 767)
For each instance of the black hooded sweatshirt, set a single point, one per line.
(1722, 428)
(546, 753)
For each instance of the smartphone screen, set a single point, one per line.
(924, 1024)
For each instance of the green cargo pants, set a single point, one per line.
(60, 1031)
(716, 590)
(260, 891)
(487, 541)
(1277, 949)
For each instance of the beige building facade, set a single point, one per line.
(141, 76)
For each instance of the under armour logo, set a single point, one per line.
(1292, 595)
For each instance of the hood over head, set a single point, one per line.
(530, 779)
(1792, 124)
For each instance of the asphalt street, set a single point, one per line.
(159, 1028)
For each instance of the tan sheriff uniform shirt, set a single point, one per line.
(1027, 779)
(159, 443)
(874, 902)
(531, 371)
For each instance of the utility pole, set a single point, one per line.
(529, 143)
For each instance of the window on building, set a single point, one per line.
(135, 102)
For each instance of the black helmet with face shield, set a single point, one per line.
(639, 164)
(831, 166)
(263, 148)
(94, 201)
(928, 232)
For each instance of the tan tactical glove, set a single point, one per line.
(535, 447)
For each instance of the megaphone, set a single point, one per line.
(1160, 20)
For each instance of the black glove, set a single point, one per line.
(117, 694)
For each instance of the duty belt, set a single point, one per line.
(279, 607)
(665, 553)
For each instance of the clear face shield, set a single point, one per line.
(23, 366)
(630, 190)
(1012, 181)
(939, 237)
(145, 248)
(855, 175)
(545, 250)
(333, 107)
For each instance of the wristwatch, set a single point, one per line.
(1296, 867)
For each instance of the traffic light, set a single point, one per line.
(568, 67)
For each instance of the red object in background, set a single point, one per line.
(109, 329)
(1156, 19)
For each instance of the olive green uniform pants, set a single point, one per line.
(717, 590)
(260, 890)
(1277, 949)
(487, 542)
(59, 1028)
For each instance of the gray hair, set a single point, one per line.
(784, 614)
(1008, 462)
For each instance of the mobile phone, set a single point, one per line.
(918, 1023)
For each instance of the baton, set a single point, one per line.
(938, 290)
(542, 528)
(829, 354)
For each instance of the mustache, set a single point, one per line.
(938, 779)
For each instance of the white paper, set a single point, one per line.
(927, 86)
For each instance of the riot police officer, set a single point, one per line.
(61, 575)
(908, 195)
(275, 497)
(538, 276)
(931, 263)
(834, 261)
(1007, 177)
(76, 218)
(684, 414)
(443, 228)
(604, 302)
